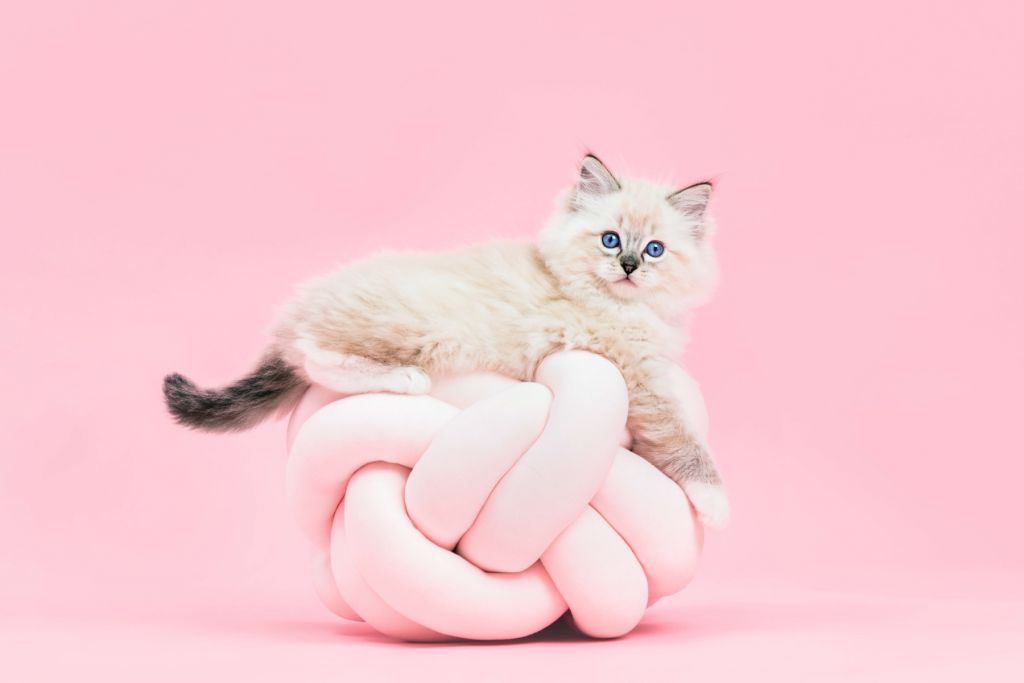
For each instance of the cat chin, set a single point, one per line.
(625, 288)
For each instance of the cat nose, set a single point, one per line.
(629, 263)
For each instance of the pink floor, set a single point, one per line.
(729, 633)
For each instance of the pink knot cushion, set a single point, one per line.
(489, 508)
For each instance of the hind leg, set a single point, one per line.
(349, 374)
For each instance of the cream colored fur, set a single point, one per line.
(389, 322)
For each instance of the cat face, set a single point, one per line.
(632, 240)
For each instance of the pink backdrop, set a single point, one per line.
(169, 170)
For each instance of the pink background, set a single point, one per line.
(169, 170)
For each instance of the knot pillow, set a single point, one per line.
(489, 508)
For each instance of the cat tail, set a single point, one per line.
(273, 385)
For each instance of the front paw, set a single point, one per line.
(407, 379)
(710, 502)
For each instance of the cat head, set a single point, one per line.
(632, 240)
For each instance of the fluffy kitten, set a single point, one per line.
(617, 266)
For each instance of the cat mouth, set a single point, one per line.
(626, 281)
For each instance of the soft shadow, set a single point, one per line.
(561, 631)
(717, 620)
(683, 622)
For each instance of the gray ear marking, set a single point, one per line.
(692, 202)
(595, 179)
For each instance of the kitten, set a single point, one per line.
(616, 269)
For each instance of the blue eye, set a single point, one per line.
(610, 240)
(655, 249)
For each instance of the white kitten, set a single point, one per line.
(617, 266)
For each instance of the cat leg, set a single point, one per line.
(351, 374)
(662, 437)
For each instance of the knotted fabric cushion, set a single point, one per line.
(489, 508)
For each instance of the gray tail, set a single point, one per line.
(237, 406)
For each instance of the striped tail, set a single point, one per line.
(243, 404)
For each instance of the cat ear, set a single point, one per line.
(692, 202)
(595, 178)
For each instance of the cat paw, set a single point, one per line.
(408, 380)
(710, 502)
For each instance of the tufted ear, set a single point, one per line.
(595, 179)
(692, 202)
